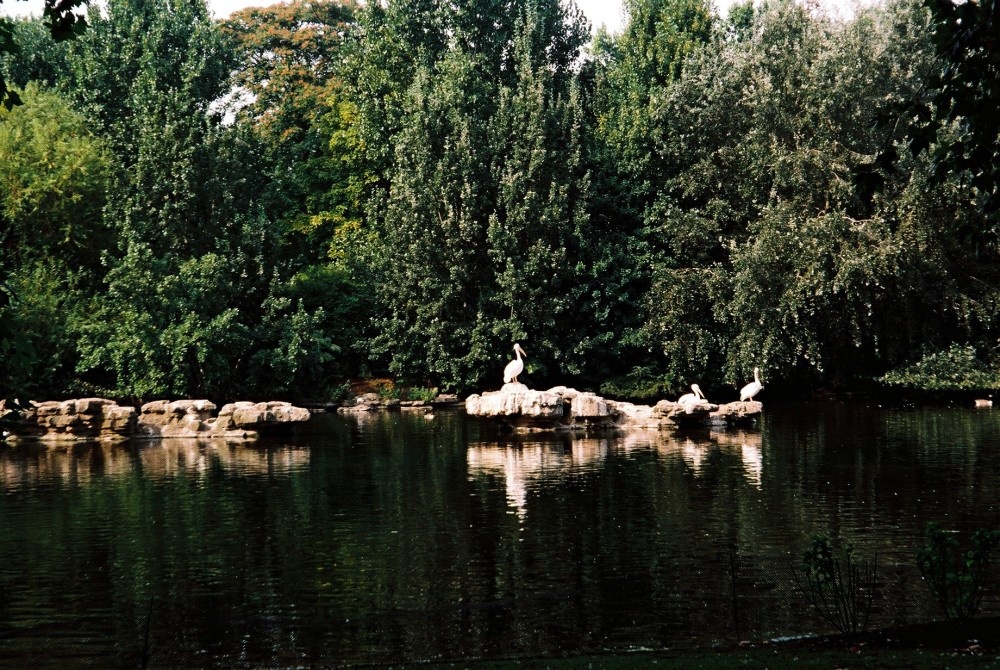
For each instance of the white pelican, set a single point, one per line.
(753, 388)
(515, 367)
(697, 396)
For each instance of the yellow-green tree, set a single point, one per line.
(53, 175)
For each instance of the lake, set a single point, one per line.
(392, 538)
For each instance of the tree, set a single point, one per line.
(288, 70)
(486, 212)
(540, 234)
(53, 174)
(757, 213)
(954, 118)
(645, 60)
(631, 74)
(292, 62)
(170, 322)
(149, 72)
(433, 237)
(62, 22)
(38, 58)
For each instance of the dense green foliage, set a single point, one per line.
(275, 203)
(53, 180)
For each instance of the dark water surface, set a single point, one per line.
(392, 538)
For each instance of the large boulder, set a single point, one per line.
(178, 418)
(739, 412)
(251, 419)
(516, 400)
(242, 420)
(589, 406)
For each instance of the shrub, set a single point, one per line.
(956, 369)
(421, 393)
(958, 579)
(841, 589)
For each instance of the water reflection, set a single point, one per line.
(80, 464)
(531, 462)
(389, 539)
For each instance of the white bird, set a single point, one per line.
(697, 396)
(753, 388)
(515, 367)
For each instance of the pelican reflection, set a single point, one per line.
(524, 465)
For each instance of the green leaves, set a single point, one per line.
(752, 150)
(53, 174)
(62, 22)
(957, 578)
(62, 19)
(957, 368)
(8, 98)
(486, 225)
(415, 185)
(841, 588)
(166, 331)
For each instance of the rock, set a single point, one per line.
(90, 406)
(102, 419)
(370, 402)
(516, 399)
(262, 415)
(119, 420)
(738, 412)
(356, 408)
(445, 399)
(71, 420)
(178, 418)
(588, 406)
(565, 392)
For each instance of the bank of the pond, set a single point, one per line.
(769, 659)
(938, 645)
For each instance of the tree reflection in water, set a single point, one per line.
(387, 538)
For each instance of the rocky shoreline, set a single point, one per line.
(514, 406)
(373, 402)
(517, 407)
(102, 419)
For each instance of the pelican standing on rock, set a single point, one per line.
(697, 396)
(753, 388)
(515, 367)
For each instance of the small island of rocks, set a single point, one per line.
(102, 419)
(517, 407)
